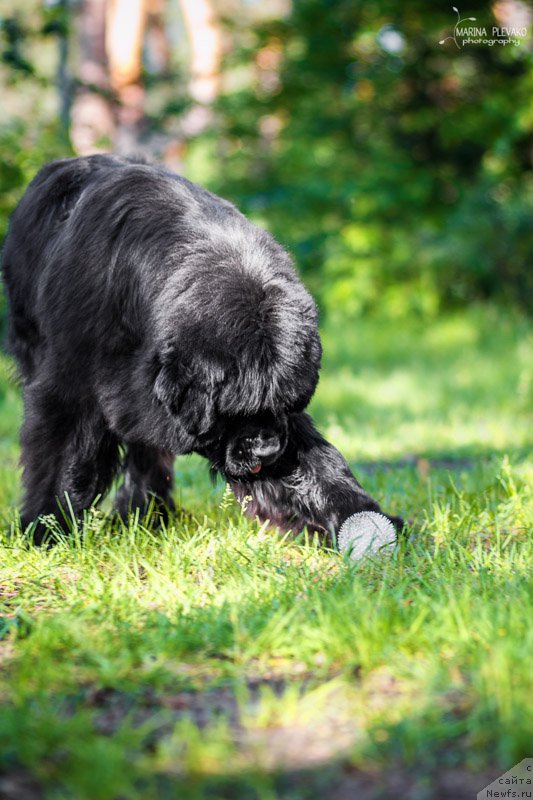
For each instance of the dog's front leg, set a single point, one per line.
(69, 459)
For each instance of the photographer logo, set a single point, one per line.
(464, 33)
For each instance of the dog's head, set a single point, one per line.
(239, 341)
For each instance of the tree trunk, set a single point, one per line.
(125, 27)
(205, 39)
(92, 125)
(63, 78)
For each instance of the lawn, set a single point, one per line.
(217, 659)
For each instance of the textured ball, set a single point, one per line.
(366, 533)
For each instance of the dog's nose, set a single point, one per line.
(266, 446)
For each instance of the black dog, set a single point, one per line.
(149, 316)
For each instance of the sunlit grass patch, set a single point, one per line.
(456, 385)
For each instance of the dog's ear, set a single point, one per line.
(189, 393)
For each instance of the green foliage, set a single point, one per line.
(30, 133)
(22, 29)
(23, 151)
(396, 169)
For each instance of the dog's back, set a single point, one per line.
(44, 208)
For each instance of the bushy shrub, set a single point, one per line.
(396, 169)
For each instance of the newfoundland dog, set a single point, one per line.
(149, 318)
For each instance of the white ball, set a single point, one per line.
(366, 533)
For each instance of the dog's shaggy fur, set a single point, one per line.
(149, 317)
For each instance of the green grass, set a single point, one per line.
(215, 659)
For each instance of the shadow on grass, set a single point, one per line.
(107, 744)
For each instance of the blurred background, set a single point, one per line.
(396, 169)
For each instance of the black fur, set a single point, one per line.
(146, 313)
(308, 485)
